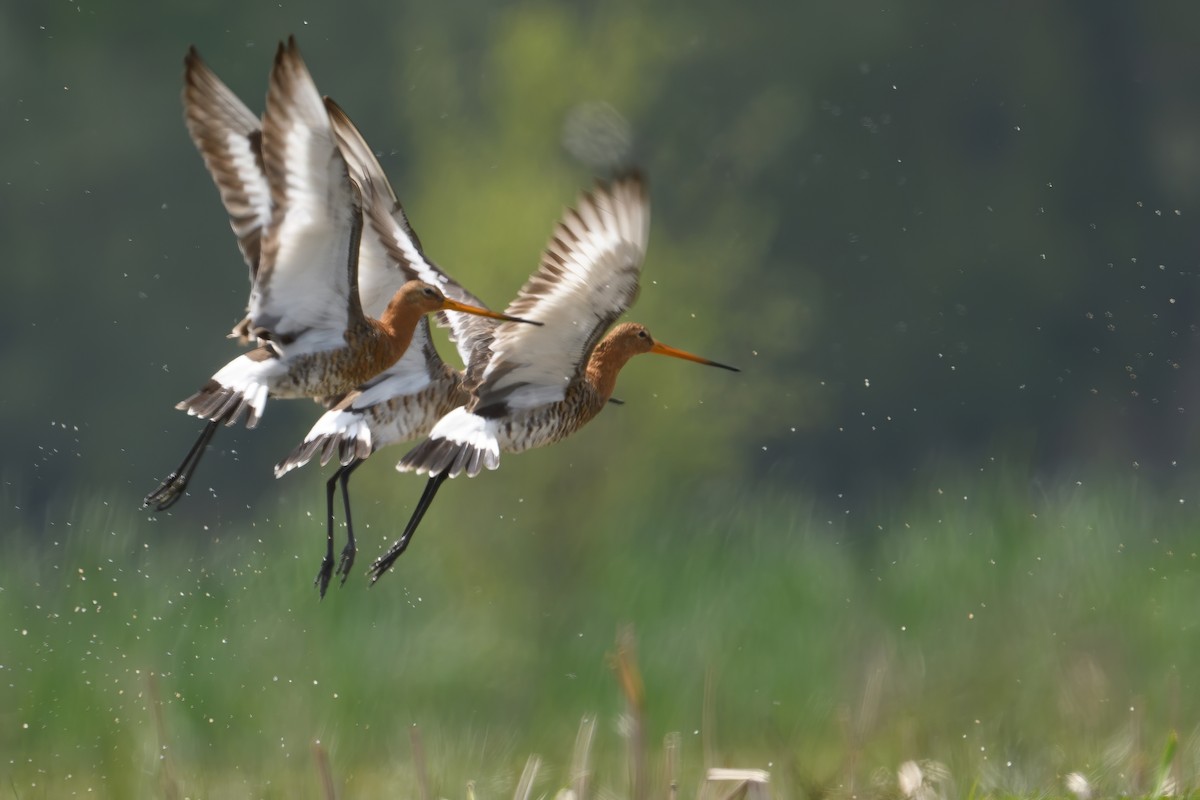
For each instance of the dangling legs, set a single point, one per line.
(351, 548)
(384, 562)
(326, 571)
(171, 489)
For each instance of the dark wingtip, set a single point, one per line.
(334, 109)
(631, 175)
(629, 172)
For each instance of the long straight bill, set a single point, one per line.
(664, 350)
(454, 305)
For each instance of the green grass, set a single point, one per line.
(1012, 636)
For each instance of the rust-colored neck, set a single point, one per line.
(610, 355)
(398, 323)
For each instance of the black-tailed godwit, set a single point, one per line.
(531, 387)
(404, 401)
(307, 299)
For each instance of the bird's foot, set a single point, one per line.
(322, 579)
(167, 493)
(382, 565)
(347, 561)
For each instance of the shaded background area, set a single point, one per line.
(922, 232)
(938, 240)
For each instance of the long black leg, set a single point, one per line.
(351, 549)
(171, 489)
(384, 562)
(326, 571)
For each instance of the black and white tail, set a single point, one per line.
(345, 433)
(242, 385)
(460, 442)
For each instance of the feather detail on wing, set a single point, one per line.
(380, 271)
(587, 279)
(307, 276)
(387, 227)
(229, 138)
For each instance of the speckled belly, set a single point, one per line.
(326, 375)
(400, 419)
(538, 427)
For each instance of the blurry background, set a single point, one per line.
(952, 249)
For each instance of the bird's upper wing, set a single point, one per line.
(391, 252)
(380, 274)
(229, 138)
(588, 278)
(307, 280)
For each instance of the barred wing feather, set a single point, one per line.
(588, 277)
(229, 138)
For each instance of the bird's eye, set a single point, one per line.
(643, 335)
(430, 291)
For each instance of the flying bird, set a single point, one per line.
(531, 387)
(404, 401)
(328, 309)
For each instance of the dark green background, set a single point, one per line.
(945, 511)
(982, 211)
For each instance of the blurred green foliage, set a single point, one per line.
(978, 633)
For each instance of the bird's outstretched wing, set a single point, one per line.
(588, 277)
(391, 253)
(229, 138)
(307, 282)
